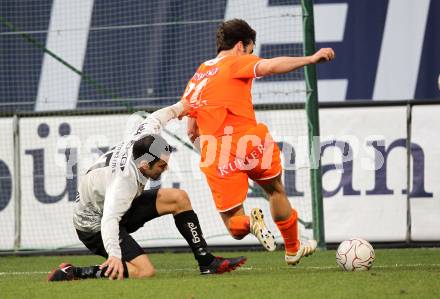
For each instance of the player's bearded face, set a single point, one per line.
(154, 171)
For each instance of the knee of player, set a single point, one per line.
(237, 237)
(183, 202)
(279, 193)
(146, 272)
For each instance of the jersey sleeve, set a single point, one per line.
(244, 67)
(118, 198)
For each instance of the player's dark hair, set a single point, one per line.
(233, 31)
(151, 148)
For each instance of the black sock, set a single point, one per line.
(189, 227)
(94, 272)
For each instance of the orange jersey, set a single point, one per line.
(220, 94)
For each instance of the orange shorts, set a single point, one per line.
(251, 155)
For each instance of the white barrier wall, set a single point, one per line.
(6, 185)
(369, 202)
(364, 164)
(425, 209)
(49, 182)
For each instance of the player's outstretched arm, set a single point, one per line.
(281, 65)
(118, 198)
(166, 114)
(157, 120)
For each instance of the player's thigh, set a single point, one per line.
(130, 249)
(228, 191)
(93, 242)
(272, 186)
(172, 201)
(268, 172)
(142, 209)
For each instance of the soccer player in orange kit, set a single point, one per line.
(234, 147)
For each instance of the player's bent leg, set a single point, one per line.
(236, 222)
(280, 207)
(239, 225)
(177, 202)
(229, 192)
(172, 201)
(67, 271)
(286, 219)
(135, 261)
(140, 267)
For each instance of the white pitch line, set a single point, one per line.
(157, 270)
(23, 273)
(379, 267)
(250, 269)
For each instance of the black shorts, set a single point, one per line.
(142, 209)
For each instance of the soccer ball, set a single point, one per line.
(355, 254)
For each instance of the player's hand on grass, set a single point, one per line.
(115, 268)
(323, 55)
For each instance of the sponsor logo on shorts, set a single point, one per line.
(249, 162)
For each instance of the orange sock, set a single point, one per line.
(239, 226)
(289, 231)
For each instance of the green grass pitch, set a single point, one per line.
(396, 273)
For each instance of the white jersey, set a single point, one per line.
(110, 185)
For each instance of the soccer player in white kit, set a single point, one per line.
(112, 203)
